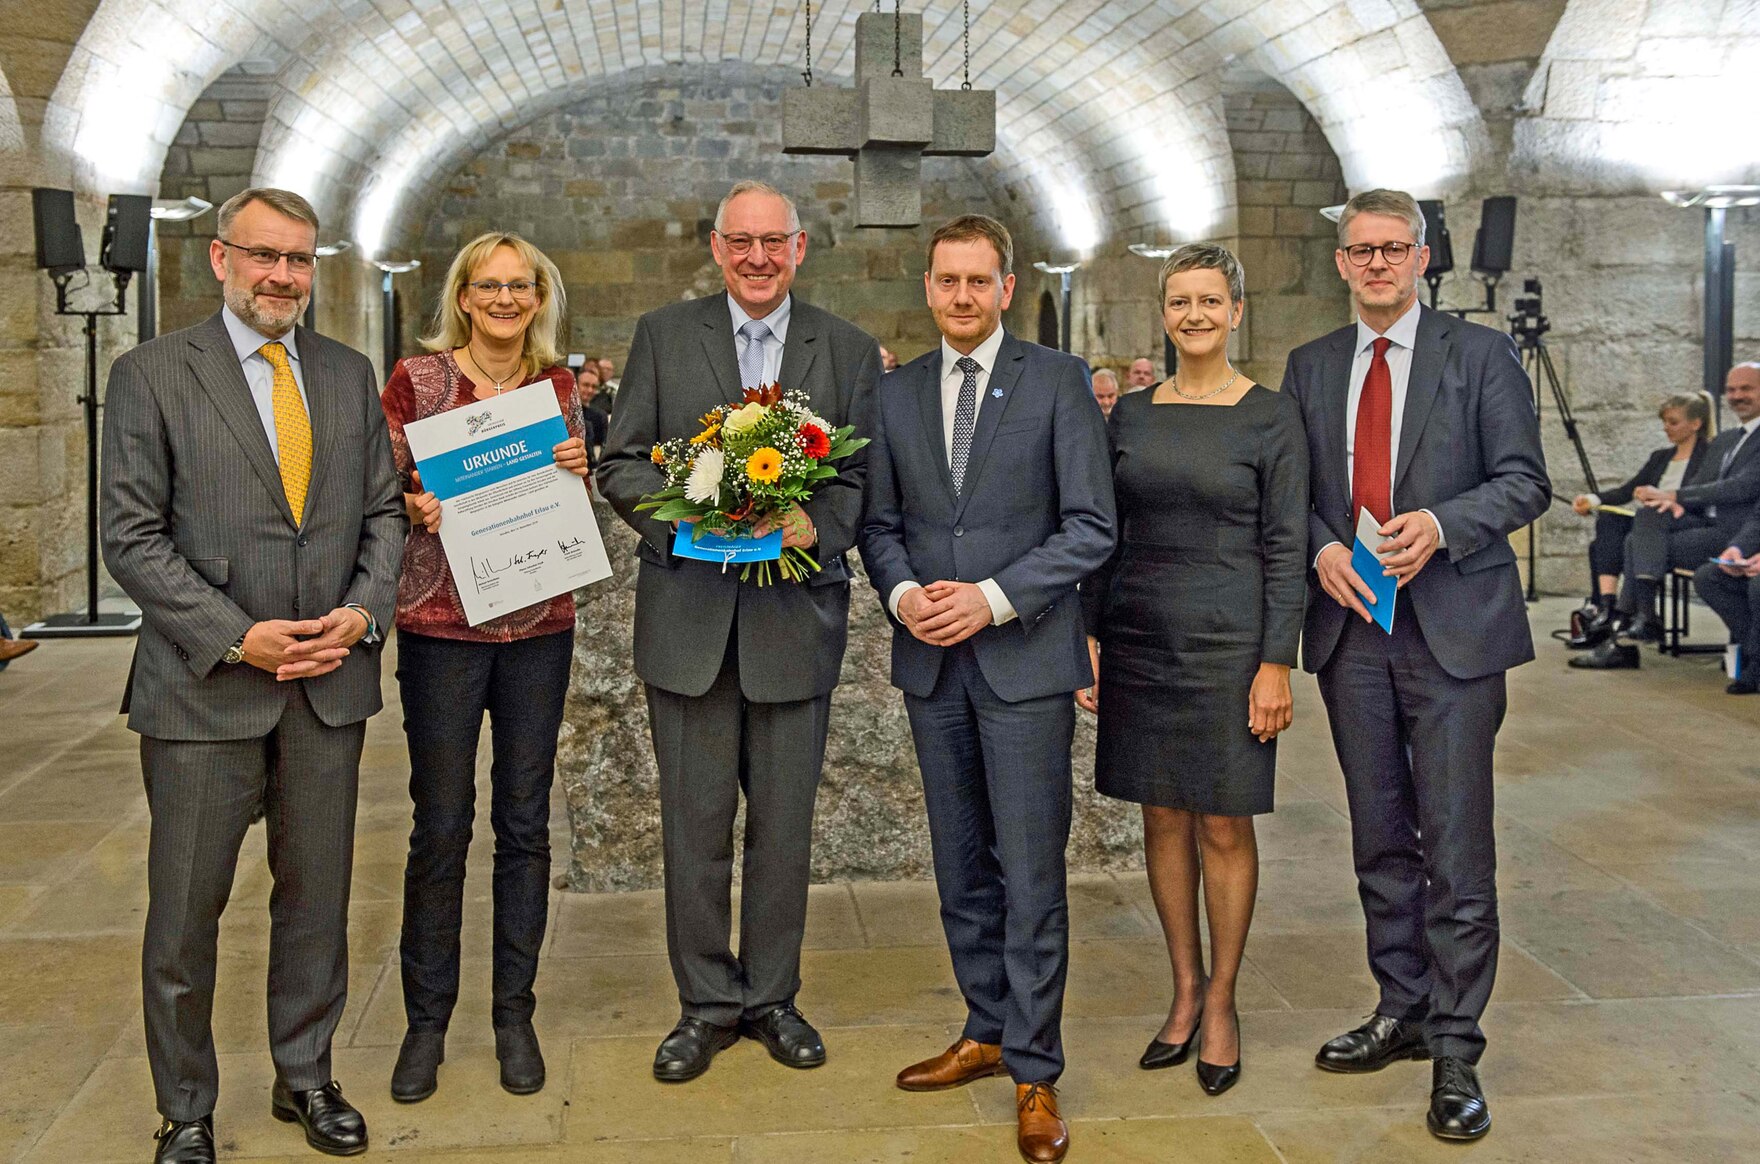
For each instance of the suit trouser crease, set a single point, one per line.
(447, 685)
(996, 786)
(1416, 745)
(201, 795)
(709, 749)
(1658, 544)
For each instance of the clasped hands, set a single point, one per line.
(1662, 499)
(303, 648)
(1412, 539)
(424, 508)
(944, 613)
(1270, 706)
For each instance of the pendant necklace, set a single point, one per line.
(1184, 395)
(500, 380)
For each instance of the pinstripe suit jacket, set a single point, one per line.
(197, 530)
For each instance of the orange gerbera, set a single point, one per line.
(764, 465)
(657, 455)
(707, 434)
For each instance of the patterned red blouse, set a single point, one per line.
(427, 597)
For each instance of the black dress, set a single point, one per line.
(1208, 581)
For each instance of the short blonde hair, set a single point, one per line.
(1206, 257)
(1392, 203)
(452, 327)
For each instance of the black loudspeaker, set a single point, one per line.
(60, 248)
(1436, 238)
(1495, 244)
(126, 228)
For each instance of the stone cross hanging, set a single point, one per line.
(888, 123)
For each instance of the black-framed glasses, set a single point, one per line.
(1394, 253)
(740, 245)
(522, 290)
(265, 258)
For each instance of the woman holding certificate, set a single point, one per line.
(496, 329)
(1194, 623)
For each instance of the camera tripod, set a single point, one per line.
(1528, 327)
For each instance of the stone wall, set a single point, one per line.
(869, 823)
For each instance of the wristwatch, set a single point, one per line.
(234, 653)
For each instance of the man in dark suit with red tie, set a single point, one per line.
(1428, 423)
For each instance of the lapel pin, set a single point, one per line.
(996, 392)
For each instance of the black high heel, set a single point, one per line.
(1214, 1079)
(1160, 1054)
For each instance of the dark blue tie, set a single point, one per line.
(965, 416)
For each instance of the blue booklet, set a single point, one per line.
(1368, 568)
(724, 550)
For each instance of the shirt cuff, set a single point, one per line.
(1001, 609)
(1441, 538)
(1594, 503)
(372, 635)
(1315, 564)
(898, 592)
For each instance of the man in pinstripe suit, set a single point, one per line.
(251, 509)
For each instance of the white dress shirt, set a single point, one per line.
(776, 321)
(1001, 609)
(259, 374)
(1404, 336)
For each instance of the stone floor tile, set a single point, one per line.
(900, 984)
(14, 900)
(1223, 1140)
(33, 854)
(102, 787)
(601, 924)
(74, 981)
(1304, 829)
(1114, 978)
(1322, 970)
(42, 1067)
(899, 913)
(1100, 907)
(1618, 945)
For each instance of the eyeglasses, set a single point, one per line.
(740, 245)
(520, 289)
(266, 258)
(1394, 253)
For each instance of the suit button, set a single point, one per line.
(959, 531)
(302, 542)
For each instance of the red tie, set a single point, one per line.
(1372, 454)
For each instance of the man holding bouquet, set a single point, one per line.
(989, 500)
(739, 675)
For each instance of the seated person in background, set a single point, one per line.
(1733, 591)
(1685, 526)
(1686, 419)
(1105, 390)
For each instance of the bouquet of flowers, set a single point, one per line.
(750, 464)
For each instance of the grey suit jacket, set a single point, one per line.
(1036, 514)
(791, 637)
(1469, 451)
(1733, 493)
(197, 531)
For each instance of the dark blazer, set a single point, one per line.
(197, 531)
(1734, 493)
(1036, 513)
(1651, 473)
(1469, 451)
(791, 637)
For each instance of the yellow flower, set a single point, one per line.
(764, 465)
(707, 434)
(743, 418)
(658, 455)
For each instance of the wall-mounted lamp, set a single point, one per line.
(163, 210)
(1159, 252)
(1720, 275)
(1063, 271)
(391, 268)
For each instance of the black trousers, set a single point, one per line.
(1657, 544)
(447, 685)
(709, 749)
(1607, 550)
(1737, 603)
(996, 784)
(1415, 744)
(202, 794)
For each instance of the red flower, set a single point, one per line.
(814, 443)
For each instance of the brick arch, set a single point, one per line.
(1642, 95)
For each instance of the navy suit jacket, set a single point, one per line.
(1469, 452)
(1036, 513)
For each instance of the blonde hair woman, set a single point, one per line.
(495, 331)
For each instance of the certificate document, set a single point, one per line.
(517, 529)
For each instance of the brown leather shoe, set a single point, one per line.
(954, 1067)
(1043, 1135)
(11, 649)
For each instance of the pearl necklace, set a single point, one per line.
(1184, 395)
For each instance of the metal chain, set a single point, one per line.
(808, 75)
(967, 83)
(897, 40)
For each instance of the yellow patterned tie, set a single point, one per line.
(293, 430)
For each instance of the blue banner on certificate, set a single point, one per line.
(725, 550)
(1368, 567)
(517, 528)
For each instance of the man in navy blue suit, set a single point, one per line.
(989, 500)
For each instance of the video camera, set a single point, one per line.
(1529, 323)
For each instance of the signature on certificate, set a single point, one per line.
(485, 574)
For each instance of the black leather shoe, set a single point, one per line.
(522, 1064)
(688, 1050)
(1372, 1046)
(191, 1142)
(1596, 629)
(1642, 628)
(1457, 1105)
(1742, 687)
(417, 1073)
(1217, 1078)
(1609, 656)
(332, 1125)
(1160, 1054)
(790, 1037)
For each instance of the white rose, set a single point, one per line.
(743, 418)
(704, 483)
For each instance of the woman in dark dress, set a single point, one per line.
(1194, 624)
